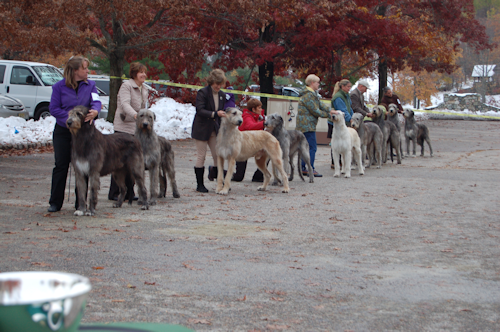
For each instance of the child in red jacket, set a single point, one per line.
(253, 119)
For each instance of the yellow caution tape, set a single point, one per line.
(268, 95)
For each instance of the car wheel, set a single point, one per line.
(42, 113)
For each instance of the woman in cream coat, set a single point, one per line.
(132, 97)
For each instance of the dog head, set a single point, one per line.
(145, 120)
(76, 118)
(378, 110)
(339, 117)
(408, 113)
(273, 121)
(392, 109)
(357, 120)
(233, 116)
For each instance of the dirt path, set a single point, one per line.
(409, 247)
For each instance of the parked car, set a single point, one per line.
(30, 82)
(10, 106)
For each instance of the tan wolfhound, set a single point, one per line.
(235, 145)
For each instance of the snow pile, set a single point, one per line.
(173, 121)
(16, 130)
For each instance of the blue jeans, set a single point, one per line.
(313, 147)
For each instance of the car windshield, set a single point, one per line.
(48, 74)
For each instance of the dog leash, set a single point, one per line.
(69, 184)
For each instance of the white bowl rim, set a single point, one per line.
(7, 298)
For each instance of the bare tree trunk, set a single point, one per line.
(382, 78)
(116, 62)
(266, 74)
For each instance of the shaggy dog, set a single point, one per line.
(167, 168)
(345, 143)
(292, 142)
(158, 156)
(391, 134)
(94, 155)
(235, 145)
(393, 116)
(371, 139)
(415, 132)
(146, 135)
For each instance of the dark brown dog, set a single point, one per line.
(94, 155)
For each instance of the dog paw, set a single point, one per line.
(176, 195)
(285, 191)
(347, 175)
(152, 203)
(89, 213)
(261, 188)
(116, 205)
(78, 213)
(311, 180)
(145, 207)
(336, 175)
(379, 167)
(223, 192)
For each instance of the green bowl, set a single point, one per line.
(42, 301)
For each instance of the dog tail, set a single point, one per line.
(390, 151)
(299, 165)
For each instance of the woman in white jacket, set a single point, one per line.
(132, 97)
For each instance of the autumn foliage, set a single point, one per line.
(334, 39)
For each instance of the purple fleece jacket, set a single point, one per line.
(63, 99)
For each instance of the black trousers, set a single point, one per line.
(61, 139)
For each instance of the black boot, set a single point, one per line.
(258, 176)
(199, 171)
(241, 167)
(212, 173)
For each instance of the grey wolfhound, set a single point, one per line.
(234, 145)
(94, 155)
(391, 134)
(416, 132)
(158, 156)
(292, 142)
(371, 139)
(393, 116)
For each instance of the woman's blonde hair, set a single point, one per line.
(74, 63)
(216, 76)
(339, 84)
(311, 79)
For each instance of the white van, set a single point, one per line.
(31, 82)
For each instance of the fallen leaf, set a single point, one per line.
(10, 232)
(26, 229)
(149, 283)
(199, 321)
(242, 299)
(130, 286)
(98, 267)
(132, 220)
(447, 250)
(41, 264)
(277, 299)
(465, 310)
(277, 327)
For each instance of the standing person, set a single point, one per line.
(391, 98)
(358, 100)
(71, 91)
(132, 97)
(210, 102)
(341, 99)
(253, 119)
(310, 109)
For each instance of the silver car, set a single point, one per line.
(10, 106)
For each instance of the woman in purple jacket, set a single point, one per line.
(72, 91)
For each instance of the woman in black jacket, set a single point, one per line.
(210, 102)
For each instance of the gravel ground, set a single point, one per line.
(411, 247)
